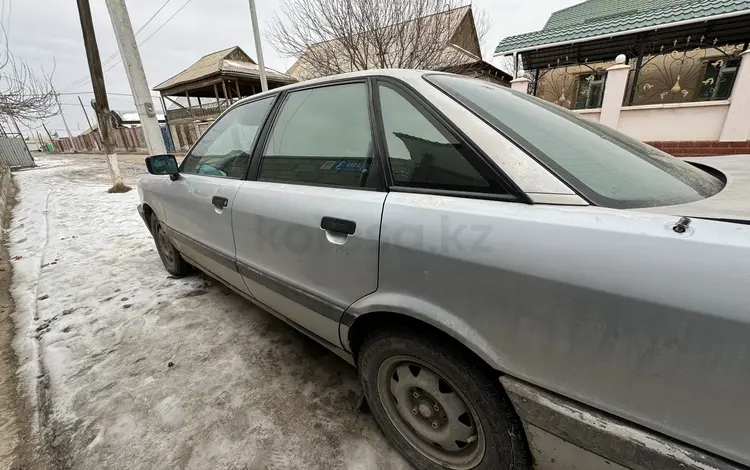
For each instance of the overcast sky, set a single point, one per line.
(45, 30)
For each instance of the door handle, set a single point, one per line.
(332, 224)
(219, 201)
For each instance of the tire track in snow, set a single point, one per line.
(43, 407)
(42, 249)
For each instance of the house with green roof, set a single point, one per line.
(680, 54)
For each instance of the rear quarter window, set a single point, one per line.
(603, 165)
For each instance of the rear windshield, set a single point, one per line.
(607, 167)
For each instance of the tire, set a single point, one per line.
(426, 372)
(170, 257)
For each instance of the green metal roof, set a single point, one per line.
(602, 17)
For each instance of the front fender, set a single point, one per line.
(150, 188)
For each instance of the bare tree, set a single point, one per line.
(336, 36)
(483, 23)
(25, 95)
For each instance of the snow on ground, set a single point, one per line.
(133, 369)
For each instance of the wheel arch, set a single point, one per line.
(365, 316)
(147, 214)
(147, 211)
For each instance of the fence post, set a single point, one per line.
(737, 123)
(520, 84)
(614, 92)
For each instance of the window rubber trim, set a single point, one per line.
(263, 136)
(274, 97)
(512, 192)
(543, 159)
(522, 144)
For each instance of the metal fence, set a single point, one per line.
(14, 152)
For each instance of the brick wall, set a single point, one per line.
(701, 148)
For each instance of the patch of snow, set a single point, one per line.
(99, 321)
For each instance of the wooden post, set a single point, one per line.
(100, 95)
(226, 95)
(166, 121)
(190, 106)
(96, 134)
(237, 85)
(216, 94)
(200, 105)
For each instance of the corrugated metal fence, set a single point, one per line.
(14, 152)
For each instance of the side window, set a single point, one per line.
(321, 136)
(423, 153)
(226, 147)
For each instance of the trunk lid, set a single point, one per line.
(731, 204)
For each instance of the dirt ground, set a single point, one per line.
(128, 367)
(14, 426)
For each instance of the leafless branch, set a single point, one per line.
(25, 94)
(337, 36)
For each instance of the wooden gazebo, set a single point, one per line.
(213, 83)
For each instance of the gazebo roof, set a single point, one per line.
(607, 18)
(229, 62)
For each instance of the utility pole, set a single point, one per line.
(101, 106)
(258, 47)
(67, 129)
(131, 59)
(85, 113)
(48, 135)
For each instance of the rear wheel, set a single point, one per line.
(170, 257)
(438, 406)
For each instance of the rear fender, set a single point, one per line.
(422, 310)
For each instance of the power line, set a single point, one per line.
(91, 93)
(109, 59)
(152, 34)
(86, 93)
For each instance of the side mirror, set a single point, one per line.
(163, 165)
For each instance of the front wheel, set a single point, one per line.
(438, 406)
(170, 257)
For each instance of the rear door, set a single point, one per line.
(197, 206)
(307, 229)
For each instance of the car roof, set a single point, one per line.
(408, 75)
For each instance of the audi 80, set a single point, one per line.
(516, 284)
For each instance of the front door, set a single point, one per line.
(198, 205)
(307, 230)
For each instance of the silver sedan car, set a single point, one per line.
(516, 285)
